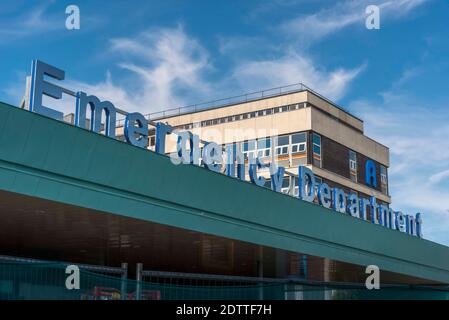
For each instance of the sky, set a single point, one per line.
(149, 56)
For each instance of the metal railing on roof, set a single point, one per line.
(243, 98)
(251, 96)
(218, 103)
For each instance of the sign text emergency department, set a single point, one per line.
(213, 156)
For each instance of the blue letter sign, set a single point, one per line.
(370, 173)
(40, 87)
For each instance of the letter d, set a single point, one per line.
(306, 178)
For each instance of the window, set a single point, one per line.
(269, 111)
(282, 147)
(248, 148)
(316, 149)
(353, 165)
(300, 148)
(285, 185)
(264, 147)
(383, 179)
(282, 150)
(299, 143)
(293, 107)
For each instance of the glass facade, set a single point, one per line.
(282, 147)
(291, 151)
(264, 147)
(299, 143)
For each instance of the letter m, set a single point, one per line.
(96, 108)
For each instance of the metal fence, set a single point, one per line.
(190, 286)
(25, 279)
(29, 279)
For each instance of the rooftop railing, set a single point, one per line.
(243, 98)
(251, 96)
(209, 105)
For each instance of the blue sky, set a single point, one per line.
(152, 55)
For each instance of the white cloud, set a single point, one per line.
(400, 7)
(437, 177)
(294, 68)
(164, 69)
(169, 67)
(308, 29)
